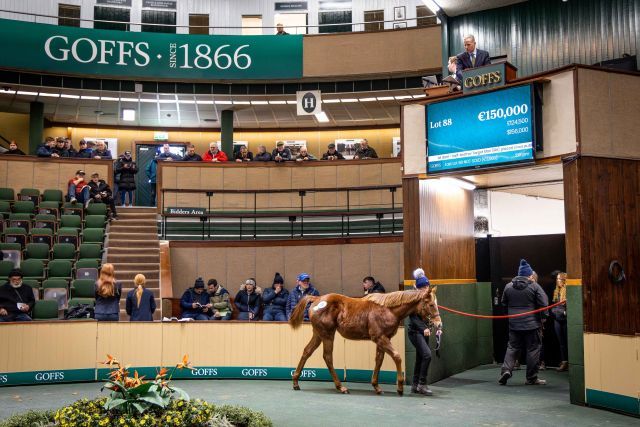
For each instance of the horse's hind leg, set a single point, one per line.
(327, 353)
(385, 343)
(308, 351)
(376, 371)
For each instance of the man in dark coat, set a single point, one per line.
(281, 153)
(332, 153)
(191, 155)
(365, 152)
(275, 300)
(84, 152)
(195, 302)
(302, 289)
(46, 149)
(523, 294)
(248, 301)
(471, 57)
(60, 148)
(16, 299)
(100, 192)
(370, 286)
(126, 169)
(13, 150)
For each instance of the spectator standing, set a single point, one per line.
(68, 145)
(370, 286)
(302, 289)
(151, 171)
(332, 153)
(101, 151)
(523, 294)
(166, 154)
(100, 192)
(191, 155)
(16, 299)
(126, 168)
(559, 314)
(243, 155)
(214, 154)
(13, 150)
(78, 189)
(304, 156)
(60, 149)
(46, 149)
(107, 293)
(280, 30)
(365, 152)
(84, 152)
(275, 300)
(419, 333)
(140, 303)
(262, 155)
(281, 153)
(195, 302)
(220, 301)
(248, 301)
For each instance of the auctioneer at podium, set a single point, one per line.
(471, 57)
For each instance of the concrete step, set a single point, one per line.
(134, 249)
(135, 222)
(124, 215)
(124, 228)
(130, 274)
(133, 236)
(130, 246)
(140, 266)
(156, 291)
(133, 256)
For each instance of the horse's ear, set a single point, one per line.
(433, 289)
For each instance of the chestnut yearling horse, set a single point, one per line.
(375, 317)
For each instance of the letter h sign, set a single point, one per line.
(308, 102)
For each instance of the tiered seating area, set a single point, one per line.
(58, 246)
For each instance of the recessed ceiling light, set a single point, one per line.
(330, 101)
(322, 117)
(241, 102)
(221, 102)
(385, 98)
(89, 97)
(346, 100)
(128, 99)
(277, 102)
(109, 98)
(64, 95)
(259, 102)
(292, 102)
(367, 99)
(128, 114)
(50, 95)
(22, 92)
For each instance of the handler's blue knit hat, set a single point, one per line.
(421, 278)
(524, 269)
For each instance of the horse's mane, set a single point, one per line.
(394, 299)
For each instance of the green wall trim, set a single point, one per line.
(36, 126)
(47, 377)
(618, 402)
(364, 376)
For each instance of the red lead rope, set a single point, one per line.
(507, 316)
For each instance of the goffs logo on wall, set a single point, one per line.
(85, 51)
(49, 376)
(254, 372)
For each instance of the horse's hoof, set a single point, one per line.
(379, 392)
(296, 387)
(344, 390)
(400, 392)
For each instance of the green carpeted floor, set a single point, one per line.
(472, 398)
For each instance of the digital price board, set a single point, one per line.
(480, 131)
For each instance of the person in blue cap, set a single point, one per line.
(302, 289)
(521, 295)
(419, 333)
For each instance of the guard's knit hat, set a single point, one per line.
(524, 269)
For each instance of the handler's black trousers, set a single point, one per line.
(423, 357)
(521, 341)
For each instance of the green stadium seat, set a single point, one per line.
(86, 273)
(90, 251)
(46, 221)
(95, 221)
(68, 235)
(69, 208)
(57, 294)
(15, 256)
(88, 263)
(31, 194)
(37, 251)
(77, 301)
(93, 235)
(64, 251)
(71, 221)
(53, 195)
(10, 247)
(59, 268)
(7, 194)
(21, 220)
(32, 269)
(46, 309)
(54, 283)
(15, 235)
(97, 209)
(24, 206)
(50, 208)
(83, 288)
(33, 283)
(5, 269)
(42, 235)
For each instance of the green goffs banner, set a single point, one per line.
(121, 54)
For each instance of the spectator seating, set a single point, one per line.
(39, 251)
(50, 208)
(60, 268)
(7, 194)
(93, 235)
(95, 221)
(15, 235)
(5, 269)
(97, 209)
(87, 273)
(46, 221)
(21, 220)
(53, 196)
(42, 235)
(45, 310)
(32, 194)
(24, 206)
(83, 288)
(92, 251)
(33, 269)
(65, 251)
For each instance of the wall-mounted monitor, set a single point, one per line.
(486, 130)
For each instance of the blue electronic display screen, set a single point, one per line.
(485, 130)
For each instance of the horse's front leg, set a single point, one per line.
(308, 351)
(327, 347)
(376, 371)
(385, 343)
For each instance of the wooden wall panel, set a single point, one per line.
(147, 350)
(610, 230)
(4, 171)
(411, 226)
(572, 220)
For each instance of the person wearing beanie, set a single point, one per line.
(248, 301)
(140, 303)
(275, 300)
(219, 299)
(302, 289)
(16, 299)
(195, 302)
(524, 294)
(419, 333)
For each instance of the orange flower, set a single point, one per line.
(185, 363)
(116, 375)
(162, 373)
(110, 361)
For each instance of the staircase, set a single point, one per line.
(132, 247)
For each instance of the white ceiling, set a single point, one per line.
(460, 7)
(537, 181)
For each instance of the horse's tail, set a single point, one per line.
(298, 313)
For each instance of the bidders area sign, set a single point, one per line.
(123, 54)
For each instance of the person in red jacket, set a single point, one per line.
(214, 154)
